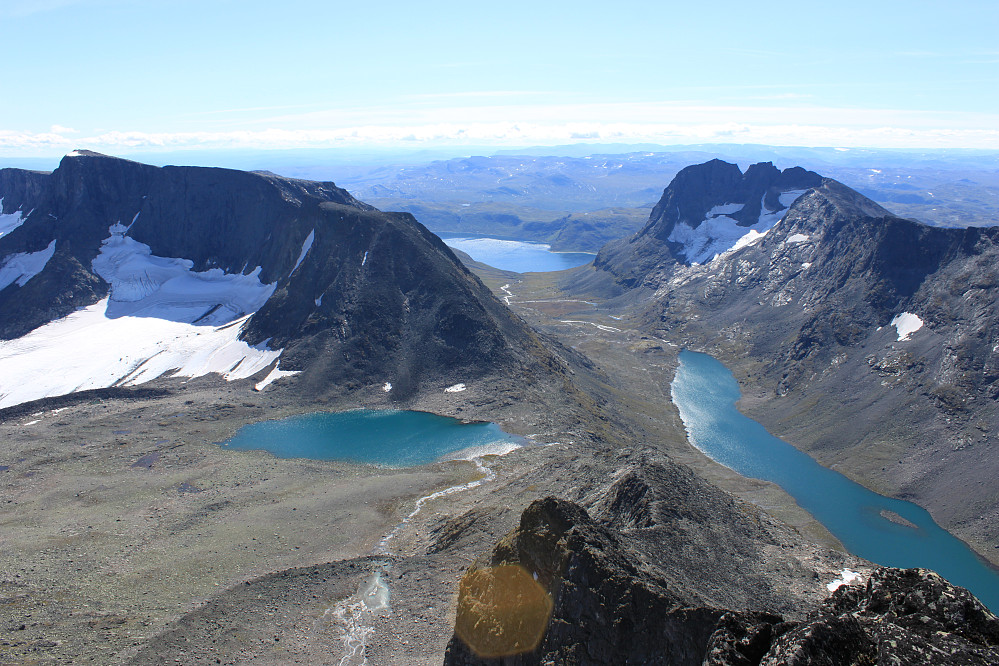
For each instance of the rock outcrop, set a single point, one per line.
(900, 616)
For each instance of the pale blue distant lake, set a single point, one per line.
(510, 254)
(392, 438)
(705, 392)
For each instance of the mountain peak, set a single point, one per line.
(708, 209)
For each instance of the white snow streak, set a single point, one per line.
(457, 388)
(718, 233)
(23, 266)
(906, 324)
(387, 386)
(797, 238)
(365, 259)
(306, 246)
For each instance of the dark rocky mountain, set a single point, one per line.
(353, 295)
(867, 339)
(567, 588)
(703, 212)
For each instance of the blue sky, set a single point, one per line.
(145, 75)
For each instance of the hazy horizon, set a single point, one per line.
(126, 77)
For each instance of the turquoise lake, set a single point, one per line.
(705, 392)
(515, 255)
(392, 438)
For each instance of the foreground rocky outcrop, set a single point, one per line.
(900, 616)
(566, 589)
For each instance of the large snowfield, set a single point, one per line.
(160, 317)
(718, 233)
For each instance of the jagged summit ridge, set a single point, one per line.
(707, 210)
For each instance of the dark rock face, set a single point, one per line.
(688, 199)
(606, 609)
(910, 616)
(375, 297)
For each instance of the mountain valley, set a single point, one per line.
(131, 536)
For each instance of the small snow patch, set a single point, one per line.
(456, 388)
(806, 265)
(906, 324)
(306, 246)
(274, 374)
(846, 577)
(797, 238)
(387, 386)
(365, 259)
(32, 422)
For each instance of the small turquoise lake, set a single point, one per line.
(705, 393)
(509, 254)
(391, 438)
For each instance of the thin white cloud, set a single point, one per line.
(59, 129)
(507, 133)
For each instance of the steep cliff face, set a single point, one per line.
(244, 267)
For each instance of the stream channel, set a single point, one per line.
(886, 531)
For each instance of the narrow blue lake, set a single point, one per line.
(705, 393)
(515, 255)
(392, 438)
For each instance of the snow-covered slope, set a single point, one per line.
(89, 350)
(718, 233)
(20, 267)
(160, 318)
(124, 272)
(144, 285)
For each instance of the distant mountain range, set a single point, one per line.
(529, 195)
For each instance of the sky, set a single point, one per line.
(141, 76)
